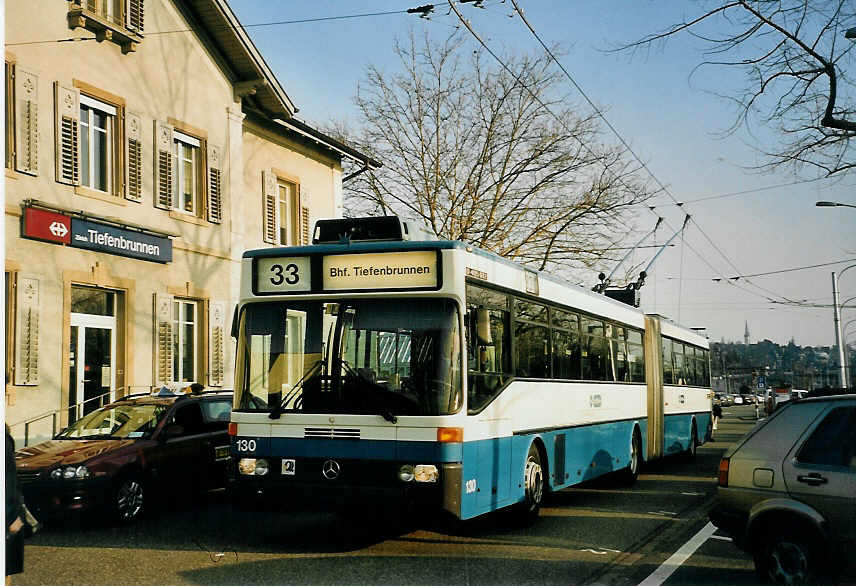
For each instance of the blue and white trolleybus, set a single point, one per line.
(377, 364)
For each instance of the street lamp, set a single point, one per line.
(833, 204)
(839, 339)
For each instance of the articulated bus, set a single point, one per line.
(378, 364)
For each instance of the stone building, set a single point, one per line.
(147, 146)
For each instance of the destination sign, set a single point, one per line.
(390, 270)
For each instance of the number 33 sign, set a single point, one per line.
(283, 275)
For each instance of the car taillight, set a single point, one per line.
(723, 472)
(233, 428)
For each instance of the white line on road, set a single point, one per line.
(721, 537)
(668, 567)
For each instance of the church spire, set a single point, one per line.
(746, 334)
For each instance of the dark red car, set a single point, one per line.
(122, 455)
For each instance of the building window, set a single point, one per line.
(186, 157)
(289, 213)
(119, 21)
(97, 132)
(185, 346)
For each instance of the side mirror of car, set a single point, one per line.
(170, 431)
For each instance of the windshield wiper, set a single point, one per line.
(278, 410)
(383, 410)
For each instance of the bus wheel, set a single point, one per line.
(533, 488)
(691, 449)
(631, 473)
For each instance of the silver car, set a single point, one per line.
(787, 490)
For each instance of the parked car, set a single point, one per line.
(738, 400)
(787, 490)
(122, 455)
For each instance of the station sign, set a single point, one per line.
(59, 228)
(120, 241)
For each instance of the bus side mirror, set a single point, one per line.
(483, 327)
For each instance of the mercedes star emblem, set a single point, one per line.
(331, 469)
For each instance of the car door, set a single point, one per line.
(183, 464)
(821, 469)
(216, 412)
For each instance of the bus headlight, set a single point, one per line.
(253, 466)
(426, 473)
(405, 473)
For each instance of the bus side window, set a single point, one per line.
(487, 342)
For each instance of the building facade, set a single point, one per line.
(147, 146)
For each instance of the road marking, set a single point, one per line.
(666, 513)
(694, 493)
(668, 567)
(590, 550)
(721, 537)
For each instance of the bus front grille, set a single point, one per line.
(332, 432)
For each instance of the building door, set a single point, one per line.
(92, 350)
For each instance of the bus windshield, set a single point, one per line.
(386, 357)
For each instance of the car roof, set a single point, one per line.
(149, 399)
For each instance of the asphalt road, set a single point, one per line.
(599, 533)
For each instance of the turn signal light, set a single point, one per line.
(723, 472)
(233, 428)
(449, 435)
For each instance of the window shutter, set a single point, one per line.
(67, 102)
(302, 199)
(134, 157)
(27, 332)
(90, 6)
(134, 15)
(163, 339)
(215, 184)
(216, 342)
(269, 207)
(163, 165)
(27, 118)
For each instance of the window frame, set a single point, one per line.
(111, 114)
(290, 224)
(178, 374)
(180, 142)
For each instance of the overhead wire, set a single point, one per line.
(243, 26)
(630, 150)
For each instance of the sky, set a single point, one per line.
(672, 121)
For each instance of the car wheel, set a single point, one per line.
(631, 473)
(129, 498)
(785, 559)
(533, 488)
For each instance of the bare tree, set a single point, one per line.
(798, 66)
(494, 159)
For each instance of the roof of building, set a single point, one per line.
(252, 79)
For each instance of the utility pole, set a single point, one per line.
(838, 338)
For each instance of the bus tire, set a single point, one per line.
(631, 472)
(527, 511)
(693, 445)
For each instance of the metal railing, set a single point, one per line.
(77, 409)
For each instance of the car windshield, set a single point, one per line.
(363, 356)
(119, 421)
